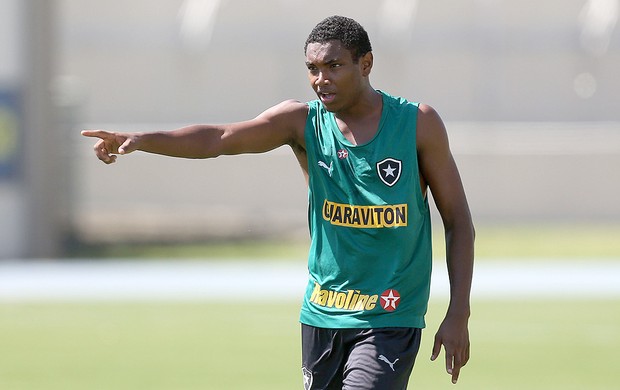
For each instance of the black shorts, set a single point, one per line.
(360, 359)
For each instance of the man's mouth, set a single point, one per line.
(327, 97)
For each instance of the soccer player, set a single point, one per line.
(369, 160)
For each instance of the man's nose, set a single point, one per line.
(322, 79)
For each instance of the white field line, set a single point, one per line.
(223, 281)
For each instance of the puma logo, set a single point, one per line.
(391, 364)
(307, 378)
(329, 168)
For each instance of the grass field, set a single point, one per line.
(516, 345)
(559, 241)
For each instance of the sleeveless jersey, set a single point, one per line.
(370, 254)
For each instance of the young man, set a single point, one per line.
(369, 160)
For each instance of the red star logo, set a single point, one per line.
(390, 300)
(342, 154)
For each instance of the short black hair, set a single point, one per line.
(343, 29)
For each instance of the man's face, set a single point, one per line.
(334, 76)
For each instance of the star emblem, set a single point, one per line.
(389, 171)
(343, 153)
(390, 299)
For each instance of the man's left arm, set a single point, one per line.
(440, 173)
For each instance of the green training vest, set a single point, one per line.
(370, 254)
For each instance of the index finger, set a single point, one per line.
(95, 133)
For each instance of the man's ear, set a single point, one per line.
(366, 63)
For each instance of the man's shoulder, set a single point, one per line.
(290, 116)
(428, 116)
(290, 111)
(431, 128)
(291, 106)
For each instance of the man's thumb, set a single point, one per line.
(126, 147)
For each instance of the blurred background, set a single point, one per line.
(529, 91)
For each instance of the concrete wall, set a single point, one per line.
(513, 173)
(474, 60)
(529, 90)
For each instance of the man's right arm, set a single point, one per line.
(279, 125)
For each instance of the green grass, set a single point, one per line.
(148, 346)
(567, 345)
(560, 241)
(515, 345)
(551, 241)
